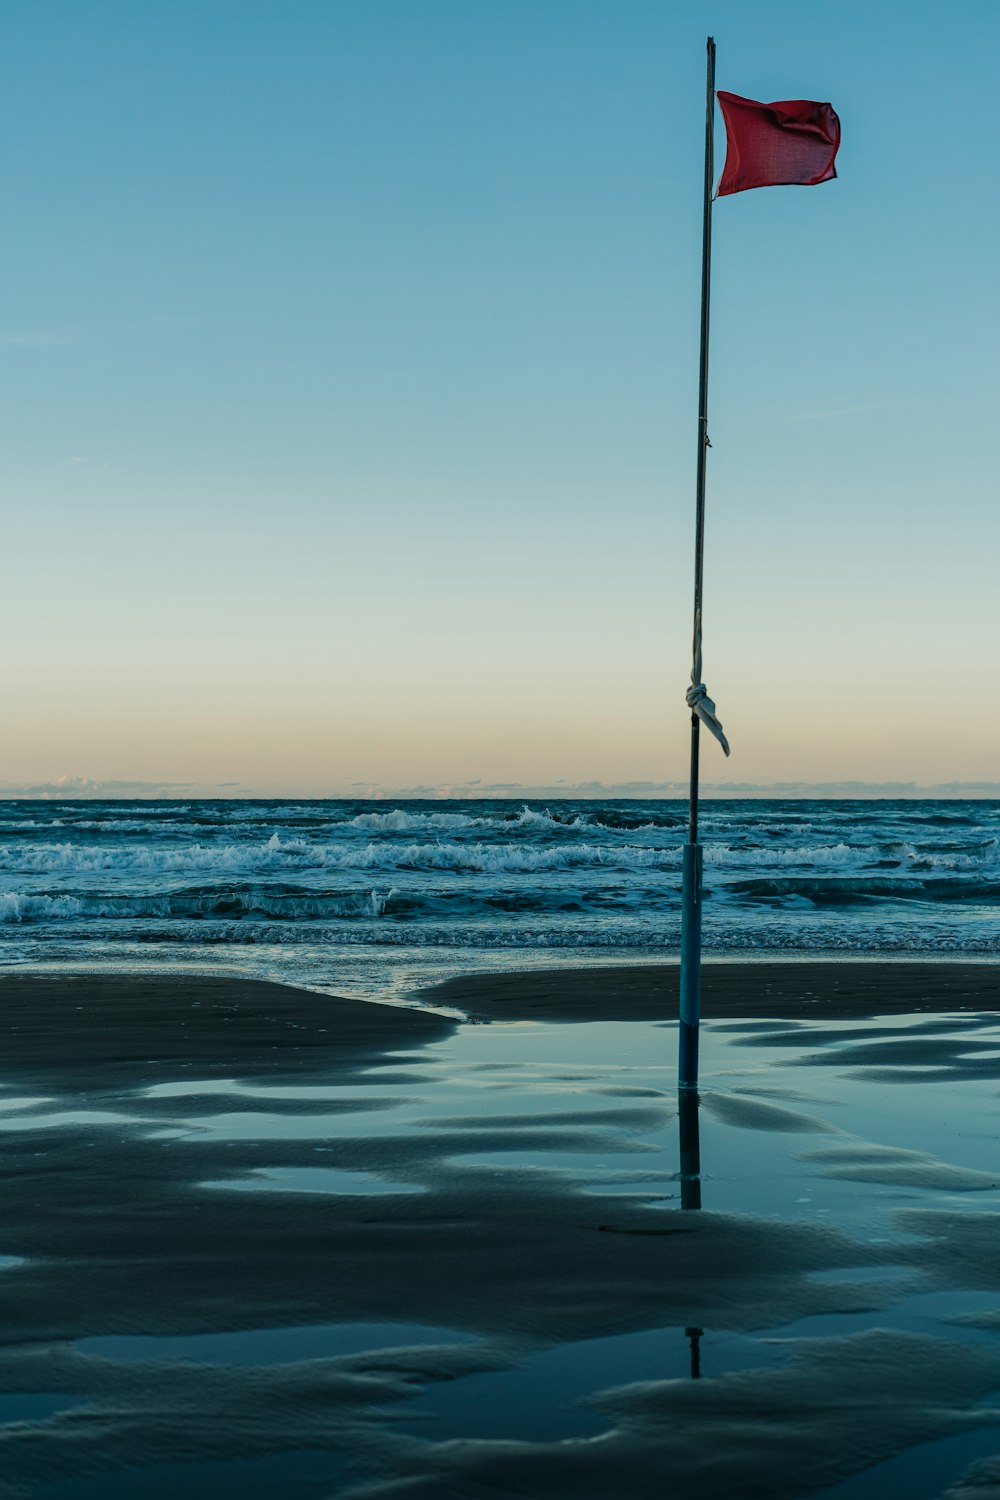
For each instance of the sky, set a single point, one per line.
(348, 380)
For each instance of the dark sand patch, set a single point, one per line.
(980, 1481)
(786, 1096)
(626, 1119)
(83, 1032)
(895, 1167)
(960, 1248)
(623, 1091)
(940, 1049)
(144, 1413)
(934, 1057)
(755, 1114)
(989, 1320)
(838, 1406)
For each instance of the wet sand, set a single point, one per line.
(795, 991)
(105, 1031)
(134, 1110)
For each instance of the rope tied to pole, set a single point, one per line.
(698, 700)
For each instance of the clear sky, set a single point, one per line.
(348, 360)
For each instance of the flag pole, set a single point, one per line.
(690, 1001)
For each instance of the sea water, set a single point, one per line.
(375, 896)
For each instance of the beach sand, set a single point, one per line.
(187, 1158)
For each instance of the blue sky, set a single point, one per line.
(348, 357)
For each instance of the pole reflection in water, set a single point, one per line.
(693, 1335)
(690, 1190)
(690, 1148)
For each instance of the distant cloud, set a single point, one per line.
(65, 788)
(845, 790)
(84, 788)
(848, 789)
(965, 788)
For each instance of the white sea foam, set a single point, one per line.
(112, 825)
(297, 854)
(379, 902)
(532, 820)
(759, 936)
(401, 821)
(19, 906)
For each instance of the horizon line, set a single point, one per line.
(83, 789)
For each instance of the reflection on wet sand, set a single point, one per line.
(690, 1144)
(687, 1116)
(227, 1266)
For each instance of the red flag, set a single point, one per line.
(790, 141)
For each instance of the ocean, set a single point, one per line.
(375, 897)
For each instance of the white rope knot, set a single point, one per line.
(697, 697)
(698, 693)
(700, 703)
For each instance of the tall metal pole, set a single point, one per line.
(690, 1005)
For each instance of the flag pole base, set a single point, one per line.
(690, 1004)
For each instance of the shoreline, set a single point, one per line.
(787, 990)
(83, 1032)
(425, 978)
(233, 1024)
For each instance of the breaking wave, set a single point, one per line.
(276, 854)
